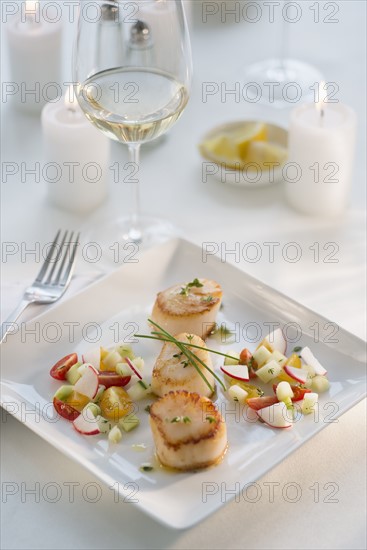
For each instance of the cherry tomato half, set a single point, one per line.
(111, 378)
(257, 403)
(65, 410)
(60, 369)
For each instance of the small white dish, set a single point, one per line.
(250, 177)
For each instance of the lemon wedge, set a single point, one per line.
(261, 152)
(237, 146)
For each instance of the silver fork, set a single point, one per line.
(48, 287)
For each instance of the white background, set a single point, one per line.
(172, 187)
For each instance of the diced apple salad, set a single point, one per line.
(297, 378)
(101, 391)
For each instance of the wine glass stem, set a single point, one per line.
(284, 46)
(135, 232)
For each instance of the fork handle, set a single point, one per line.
(9, 323)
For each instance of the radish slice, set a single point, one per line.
(276, 416)
(238, 372)
(276, 340)
(86, 423)
(133, 368)
(88, 384)
(93, 357)
(297, 374)
(310, 359)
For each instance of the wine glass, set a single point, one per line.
(285, 75)
(133, 69)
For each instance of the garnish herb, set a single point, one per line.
(271, 371)
(186, 289)
(185, 364)
(211, 419)
(185, 348)
(177, 355)
(222, 332)
(147, 408)
(297, 349)
(184, 419)
(207, 299)
(146, 468)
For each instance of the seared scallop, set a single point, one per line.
(172, 370)
(188, 431)
(188, 307)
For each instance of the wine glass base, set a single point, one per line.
(114, 243)
(281, 83)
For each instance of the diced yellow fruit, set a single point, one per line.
(104, 353)
(115, 403)
(261, 152)
(77, 401)
(292, 361)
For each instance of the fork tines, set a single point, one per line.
(60, 259)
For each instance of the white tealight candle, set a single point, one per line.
(35, 60)
(321, 144)
(76, 157)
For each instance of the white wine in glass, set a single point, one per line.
(133, 67)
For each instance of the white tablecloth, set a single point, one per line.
(331, 465)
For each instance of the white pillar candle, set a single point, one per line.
(76, 157)
(34, 43)
(321, 144)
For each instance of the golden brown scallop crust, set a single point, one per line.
(173, 303)
(197, 445)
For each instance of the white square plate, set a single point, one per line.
(122, 302)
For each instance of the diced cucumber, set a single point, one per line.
(138, 363)
(269, 371)
(115, 435)
(278, 357)
(129, 422)
(310, 370)
(111, 360)
(238, 394)
(73, 374)
(139, 391)
(229, 361)
(309, 402)
(104, 425)
(94, 408)
(64, 392)
(123, 369)
(125, 350)
(261, 356)
(320, 384)
(284, 391)
(100, 391)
